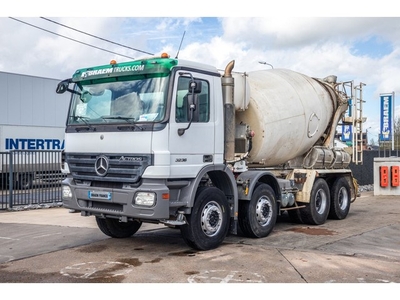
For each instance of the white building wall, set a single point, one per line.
(30, 100)
(390, 188)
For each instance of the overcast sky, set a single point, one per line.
(351, 42)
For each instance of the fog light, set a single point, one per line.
(145, 198)
(66, 192)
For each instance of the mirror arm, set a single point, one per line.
(181, 131)
(73, 92)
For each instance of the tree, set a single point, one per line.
(396, 137)
(396, 132)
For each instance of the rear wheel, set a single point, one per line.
(116, 229)
(340, 202)
(316, 212)
(208, 224)
(257, 217)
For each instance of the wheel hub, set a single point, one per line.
(263, 211)
(343, 198)
(321, 201)
(211, 219)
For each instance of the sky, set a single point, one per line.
(359, 41)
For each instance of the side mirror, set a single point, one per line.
(195, 86)
(62, 87)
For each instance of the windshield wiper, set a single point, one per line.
(129, 120)
(84, 119)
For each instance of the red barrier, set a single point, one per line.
(384, 176)
(395, 175)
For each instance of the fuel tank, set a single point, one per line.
(289, 113)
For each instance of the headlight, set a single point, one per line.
(66, 192)
(145, 199)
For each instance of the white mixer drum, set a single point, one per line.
(288, 112)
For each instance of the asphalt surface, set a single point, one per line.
(54, 246)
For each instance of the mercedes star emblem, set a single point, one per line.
(101, 166)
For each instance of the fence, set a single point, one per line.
(29, 178)
(364, 173)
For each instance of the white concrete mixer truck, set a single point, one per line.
(173, 142)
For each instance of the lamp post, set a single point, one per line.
(265, 63)
(366, 135)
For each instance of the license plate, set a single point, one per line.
(99, 195)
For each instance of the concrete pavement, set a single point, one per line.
(363, 248)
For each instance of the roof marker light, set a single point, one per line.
(164, 55)
(113, 62)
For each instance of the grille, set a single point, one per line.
(123, 168)
(107, 206)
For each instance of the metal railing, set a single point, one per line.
(30, 178)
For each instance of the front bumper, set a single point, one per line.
(118, 202)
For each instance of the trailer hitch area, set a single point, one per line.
(180, 220)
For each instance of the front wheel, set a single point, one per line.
(257, 217)
(208, 224)
(316, 212)
(116, 229)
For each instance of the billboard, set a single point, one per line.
(386, 129)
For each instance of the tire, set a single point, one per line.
(25, 181)
(208, 224)
(340, 199)
(257, 217)
(316, 212)
(116, 229)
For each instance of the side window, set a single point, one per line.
(202, 112)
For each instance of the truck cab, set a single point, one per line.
(141, 137)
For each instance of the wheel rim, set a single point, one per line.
(263, 211)
(321, 201)
(211, 218)
(343, 198)
(25, 180)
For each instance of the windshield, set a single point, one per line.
(141, 100)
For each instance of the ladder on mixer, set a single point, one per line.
(355, 118)
(358, 120)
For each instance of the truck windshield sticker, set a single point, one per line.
(81, 109)
(109, 70)
(155, 67)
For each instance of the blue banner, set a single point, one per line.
(386, 117)
(347, 133)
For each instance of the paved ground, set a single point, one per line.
(55, 246)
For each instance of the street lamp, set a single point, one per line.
(265, 63)
(366, 134)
